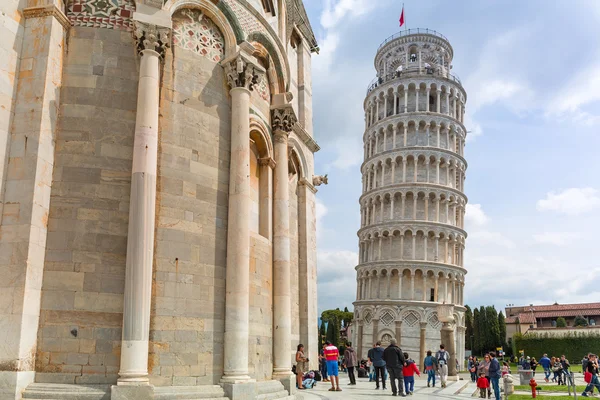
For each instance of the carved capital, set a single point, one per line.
(267, 161)
(283, 118)
(151, 37)
(243, 71)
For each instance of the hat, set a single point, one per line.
(529, 358)
(392, 341)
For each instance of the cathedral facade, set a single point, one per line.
(412, 236)
(157, 205)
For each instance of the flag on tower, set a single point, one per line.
(402, 17)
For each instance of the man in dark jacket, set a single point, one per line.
(394, 361)
(379, 364)
(495, 374)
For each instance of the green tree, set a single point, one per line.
(322, 334)
(502, 326)
(331, 333)
(476, 335)
(494, 329)
(469, 326)
(483, 331)
(561, 322)
(580, 321)
(335, 319)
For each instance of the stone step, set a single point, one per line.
(204, 392)
(58, 391)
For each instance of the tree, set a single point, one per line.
(335, 319)
(476, 336)
(491, 316)
(580, 321)
(561, 322)
(322, 334)
(331, 333)
(469, 326)
(502, 326)
(483, 331)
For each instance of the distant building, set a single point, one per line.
(521, 319)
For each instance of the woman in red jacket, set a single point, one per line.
(409, 371)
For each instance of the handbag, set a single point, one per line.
(587, 377)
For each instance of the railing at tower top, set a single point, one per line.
(377, 81)
(412, 32)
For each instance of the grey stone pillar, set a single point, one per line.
(359, 339)
(152, 41)
(282, 121)
(398, 333)
(242, 72)
(447, 334)
(422, 341)
(375, 330)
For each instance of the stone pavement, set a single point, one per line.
(365, 389)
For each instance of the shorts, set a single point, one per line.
(332, 368)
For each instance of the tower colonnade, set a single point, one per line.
(412, 237)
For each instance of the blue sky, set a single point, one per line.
(531, 70)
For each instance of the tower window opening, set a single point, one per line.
(432, 294)
(413, 58)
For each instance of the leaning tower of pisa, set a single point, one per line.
(412, 206)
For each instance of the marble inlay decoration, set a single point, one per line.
(109, 14)
(194, 31)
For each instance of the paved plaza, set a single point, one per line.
(365, 389)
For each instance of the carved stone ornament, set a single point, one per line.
(283, 118)
(319, 180)
(241, 72)
(151, 37)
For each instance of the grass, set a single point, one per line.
(528, 396)
(549, 388)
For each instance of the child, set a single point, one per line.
(505, 369)
(409, 370)
(483, 384)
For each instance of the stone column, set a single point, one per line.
(412, 284)
(417, 89)
(266, 201)
(359, 339)
(375, 330)
(405, 107)
(242, 72)
(447, 335)
(33, 47)
(422, 342)
(438, 101)
(152, 41)
(282, 122)
(395, 103)
(395, 132)
(393, 180)
(427, 107)
(398, 333)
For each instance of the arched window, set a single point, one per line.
(413, 54)
(592, 322)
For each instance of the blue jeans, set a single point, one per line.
(496, 385)
(409, 384)
(593, 383)
(431, 376)
(547, 373)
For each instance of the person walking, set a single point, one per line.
(565, 368)
(379, 364)
(557, 368)
(301, 361)
(484, 367)
(430, 365)
(443, 357)
(394, 361)
(331, 355)
(408, 371)
(370, 363)
(592, 371)
(534, 365)
(350, 361)
(546, 365)
(495, 374)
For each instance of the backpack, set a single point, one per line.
(318, 376)
(441, 357)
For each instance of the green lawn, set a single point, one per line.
(528, 396)
(549, 388)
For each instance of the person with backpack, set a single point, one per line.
(431, 366)
(379, 364)
(443, 357)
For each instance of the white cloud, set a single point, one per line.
(337, 278)
(475, 215)
(555, 238)
(583, 89)
(573, 201)
(348, 153)
(320, 213)
(497, 239)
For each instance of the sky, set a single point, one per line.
(531, 70)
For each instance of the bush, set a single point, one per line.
(573, 345)
(561, 322)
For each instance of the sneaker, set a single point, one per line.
(411, 393)
(377, 388)
(394, 394)
(584, 394)
(402, 395)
